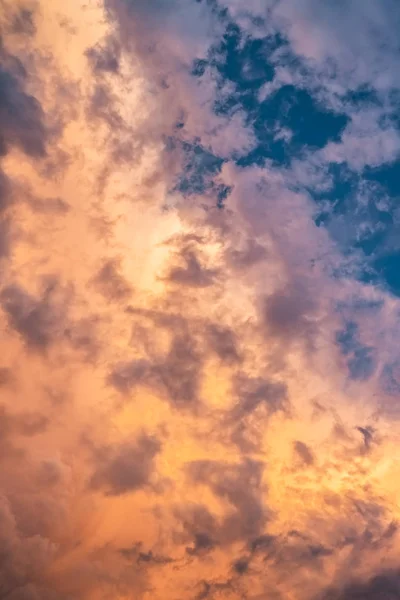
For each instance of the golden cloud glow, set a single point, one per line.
(175, 420)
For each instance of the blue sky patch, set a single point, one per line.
(387, 175)
(388, 268)
(292, 122)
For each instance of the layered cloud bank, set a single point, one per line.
(199, 299)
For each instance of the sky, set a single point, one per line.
(199, 300)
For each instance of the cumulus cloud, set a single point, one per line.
(199, 317)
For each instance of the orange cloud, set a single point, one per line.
(175, 418)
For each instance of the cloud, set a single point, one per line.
(239, 485)
(198, 330)
(111, 283)
(105, 57)
(253, 392)
(23, 560)
(382, 585)
(38, 321)
(21, 115)
(332, 37)
(176, 375)
(192, 274)
(28, 425)
(304, 453)
(185, 29)
(23, 22)
(288, 312)
(127, 468)
(223, 341)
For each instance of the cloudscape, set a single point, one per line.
(199, 300)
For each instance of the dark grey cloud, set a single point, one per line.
(14, 427)
(361, 533)
(197, 335)
(83, 337)
(5, 191)
(304, 453)
(256, 399)
(36, 320)
(241, 565)
(205, 590)
(245, 436)
(224, 342)
(299, 550)
(241, 487)
(385, 586)
(281, 557)
(368, 436)
(126, 376)
(142, 558)
(102, 106)
(24, 557)
(23, 22)
(193, 273)
(288, 312)
(199, 529)
(125, 468)
(177, 374)
(180, 372)
(202, 544)
(105, 58)
(251, 392)
(43, 320)
(22, 119)
(262, 543)
(110, 282)
(215, 589)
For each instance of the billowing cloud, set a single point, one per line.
(199, 300)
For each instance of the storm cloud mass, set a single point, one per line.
(199, 300)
